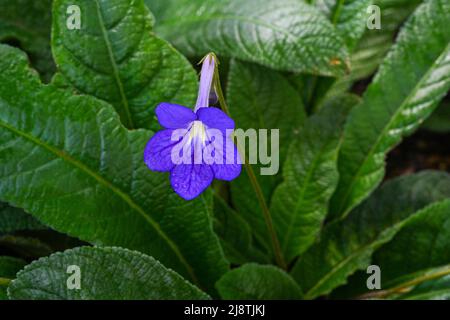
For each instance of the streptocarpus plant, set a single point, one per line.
(75, 159)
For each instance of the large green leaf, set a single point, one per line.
(27, 23)
(349, 17)
(300, 203)
(116, 57)
(422, 244)
(105, 273)
(68, 161)
(375, 44)
(258, 282)
(436, 289)
(9, 266)
(282, 34)
(14, 219)
(260, 98)
(418, 252)
(235, 235)
(346, 245)
(391, 108)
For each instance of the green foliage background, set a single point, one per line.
(77, 108)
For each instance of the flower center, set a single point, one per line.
(197, 131)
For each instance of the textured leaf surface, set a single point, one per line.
(300, 203)
(9, 266)
(282, 34)
(375, 44)
(116, 57)
(235, 235)
(14, 219)
(349, 17)
(67, 160)
(392, 109)
(106, 274)
(260, 98)
(258, 282)
(27, 23)
(347, 245)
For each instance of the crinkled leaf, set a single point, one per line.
(300, 203)
(260, 98)
(27, 23)
(375, 43)
(349, 17)
(68, 161)
(116, 57)
(258, 282)
(14, 219)
(105, 273)
(282, 34)
(346, 245)
(391, 108)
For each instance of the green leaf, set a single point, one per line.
(105, 274)
(116, 57)
(391, 108)
(424, 242)
(29, 23)
(300, 203)
(14, 219)
(260, 98)
(68, 161)
(9, 266)
(439, 121)
(281, 34)
(349, 17)
(235, 235)
(258, 282)
(347, 245)
(436, 289)
(375, 43)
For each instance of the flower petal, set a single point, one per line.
(157, 154)
(174, 116)
(228, 171)
(215, 118)
(190, 180)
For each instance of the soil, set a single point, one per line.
(421, 151)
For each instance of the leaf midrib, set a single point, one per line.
(124, 99)
(385, 128)
(101, 180)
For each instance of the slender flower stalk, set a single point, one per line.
(256, 187)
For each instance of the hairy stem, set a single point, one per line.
(259, 194)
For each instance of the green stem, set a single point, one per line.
(5, 282)
(254, 182)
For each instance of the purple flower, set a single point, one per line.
(195, 146)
